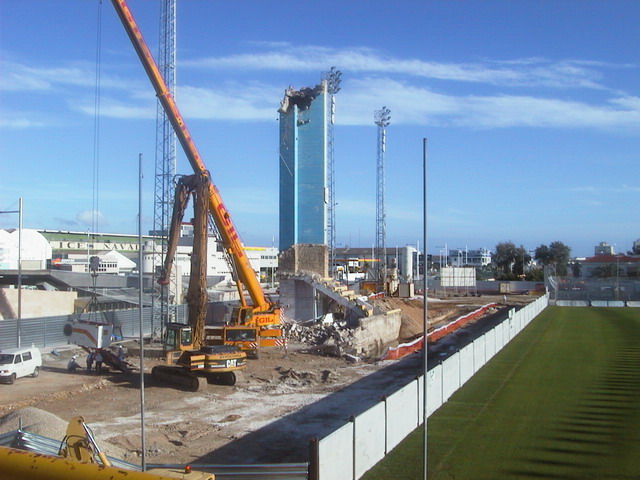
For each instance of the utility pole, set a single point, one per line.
(382, 119)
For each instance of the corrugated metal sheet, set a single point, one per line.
(47, 332)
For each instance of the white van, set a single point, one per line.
(19, 362)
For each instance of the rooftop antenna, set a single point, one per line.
(382, 118)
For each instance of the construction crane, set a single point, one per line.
(261, 316)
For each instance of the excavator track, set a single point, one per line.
(225, 378)
(176, 377)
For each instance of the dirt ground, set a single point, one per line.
(279, 402)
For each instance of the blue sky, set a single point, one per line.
(531, 110)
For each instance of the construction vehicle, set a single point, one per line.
(80, 458)
(253, 324)
(94, 338)
(189, 364)
(20, 464)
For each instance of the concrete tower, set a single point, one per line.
(303, 166)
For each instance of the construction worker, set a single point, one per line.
(98, 359)
(90, 359)
(72, 366)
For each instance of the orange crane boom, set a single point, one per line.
(231, 240)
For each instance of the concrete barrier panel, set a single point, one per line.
(434, 389)
(402, 414)
(369, 438)
(572, 303)
(505, 332)
(466, 364)
(499, 337)
(633, 304)
(518, 321)
(450, 376)
(420, 386)
(511, 329)
(599, 303)
(478, 353)
(335, 454)
(490, 344)
(615, 303)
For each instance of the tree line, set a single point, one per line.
(510, 261)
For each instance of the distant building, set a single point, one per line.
(118, 253)
(353, 261)
(36, 251)
(471, 258)
(614, 265)
(603, 248)
(303, 166)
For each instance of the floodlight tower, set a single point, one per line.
(165, 159)
(382, 118)
(333, 78)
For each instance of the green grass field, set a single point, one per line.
(560, 401)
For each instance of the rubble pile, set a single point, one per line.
(332, 339)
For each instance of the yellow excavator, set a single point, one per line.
(255, 323)
(189, 358)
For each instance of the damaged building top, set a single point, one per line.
(303, 166)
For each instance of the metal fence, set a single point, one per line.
(48, 332)
(621, 289)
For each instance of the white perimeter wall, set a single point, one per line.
(350, 451)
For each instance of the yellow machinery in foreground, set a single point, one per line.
(80, 459)
(253, 325)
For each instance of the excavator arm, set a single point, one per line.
(196, 186)
(184, 189)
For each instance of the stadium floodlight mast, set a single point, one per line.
(382, 118)
(333, 78)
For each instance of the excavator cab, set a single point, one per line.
(178, 337)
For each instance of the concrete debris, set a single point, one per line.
(330, 339)
(292, 377)
(301, 98)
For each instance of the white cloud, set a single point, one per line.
(87, 217)
(18, 121)
(254, 102)
(419, 105)
(132, 107)
(520, 72)
(20, 77)
(371, 79)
